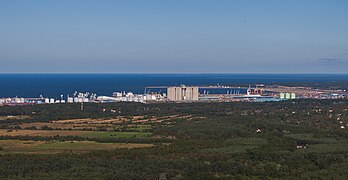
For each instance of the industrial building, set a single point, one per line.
(182, 93)
(287, 95)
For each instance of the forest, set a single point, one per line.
(297, 139)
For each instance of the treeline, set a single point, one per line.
(167, 161)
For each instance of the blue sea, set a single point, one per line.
(53, 85)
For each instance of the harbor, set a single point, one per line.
(183, 93)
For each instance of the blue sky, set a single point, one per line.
(174, 36)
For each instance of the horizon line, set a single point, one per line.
(178, 73)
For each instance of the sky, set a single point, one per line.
(173, 36)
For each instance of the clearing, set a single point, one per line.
(51, 147)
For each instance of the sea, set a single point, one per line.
(55, 85)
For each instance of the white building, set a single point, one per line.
(182, 93)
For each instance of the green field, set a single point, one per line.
(140, 128)
(104, 134)
(70, 145)
(86, 145)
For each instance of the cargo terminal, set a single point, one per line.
(184, 93)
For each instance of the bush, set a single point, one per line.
(31, 128)
(17, 127)
(46, 128)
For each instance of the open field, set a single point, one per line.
(133, 123)
(67, 126)
(91, 134)
(44, 133)
(91, 121)
(13, 117)
(102, 134)
(122, 119)
(43, 147)
(140, 127)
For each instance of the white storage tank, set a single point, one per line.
(293, 96)
(282, 96)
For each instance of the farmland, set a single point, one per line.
(13, 117)
(98, 134)
(31, 134)
(94, 134)
(45, 147)
(300, 139)
(43, 133)
(108, 124)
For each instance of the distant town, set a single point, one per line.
(217, 93)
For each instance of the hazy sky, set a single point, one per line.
(174, 36)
